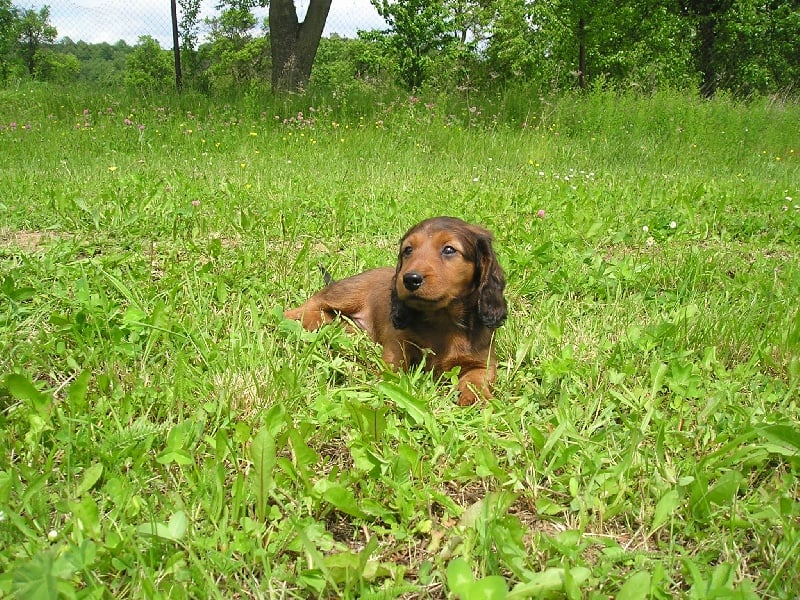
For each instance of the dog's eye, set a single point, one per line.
(449, 251)
(407, 251)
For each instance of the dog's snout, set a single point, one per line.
(413, 280)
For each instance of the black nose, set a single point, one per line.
(413, 280)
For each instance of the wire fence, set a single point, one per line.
(96, 21)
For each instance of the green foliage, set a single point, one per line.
(233, 58)
(34, 32)
(9, 16)
(629, 44)
(189, 24)
(757, 49)
(417, 29)
(56, 67)
(168, 433)
(100, 64)
(742, 47)
(148, 66)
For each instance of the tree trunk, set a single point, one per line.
(705, 56)
(294, 44)
(582, 53)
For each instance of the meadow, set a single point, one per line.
(167, 434)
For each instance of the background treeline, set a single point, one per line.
(744, 47)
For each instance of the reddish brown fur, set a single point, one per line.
(441, 303)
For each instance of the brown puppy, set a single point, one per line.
(441, 303)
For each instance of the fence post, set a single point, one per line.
(176, 47)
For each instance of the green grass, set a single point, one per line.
(166, 433)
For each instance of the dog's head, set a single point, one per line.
(445, 263)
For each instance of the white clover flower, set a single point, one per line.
(650, 241)
(52, 535)
(672, 224)
(645, 228)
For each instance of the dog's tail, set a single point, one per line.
(326, 276)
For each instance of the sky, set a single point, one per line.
(109, 21)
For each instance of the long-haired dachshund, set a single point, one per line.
(441, 303)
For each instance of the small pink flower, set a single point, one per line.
(541, 213)
(85, 112)
(127, 121)
(195, 203)
(141, 127)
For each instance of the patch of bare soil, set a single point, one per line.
(27, 241)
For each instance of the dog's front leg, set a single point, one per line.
(474, 384)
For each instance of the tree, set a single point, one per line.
(35, 32)
(234, 57)
(756, 49)
(709, 15)
(58, 67)
(9, 16)
(190, 13)
(188, 28)
(417, 28)
(294, 44)
(148, 66)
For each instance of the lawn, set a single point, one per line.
(166, 433)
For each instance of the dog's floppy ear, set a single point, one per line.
(492, 307)
(399, 312)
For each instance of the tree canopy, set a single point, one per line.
(740, 46)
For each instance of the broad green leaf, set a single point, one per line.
(81, 557)
(275, 419)
(90, 477)
(637, 587)
(177, 525)
(221, 291)
(354, 566)
(664, 509)
(549, 580)
(725, 489)
(371, 421)
(134, 317)
(459, 575)
(491, 587)
(43, 577)
(173, 531)
(784, 435)
(416, 410)
(304, 455)
(340, 497)
(76, 393)
(262, 453)
(87, 515)
(179, 456)
(21, 388)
